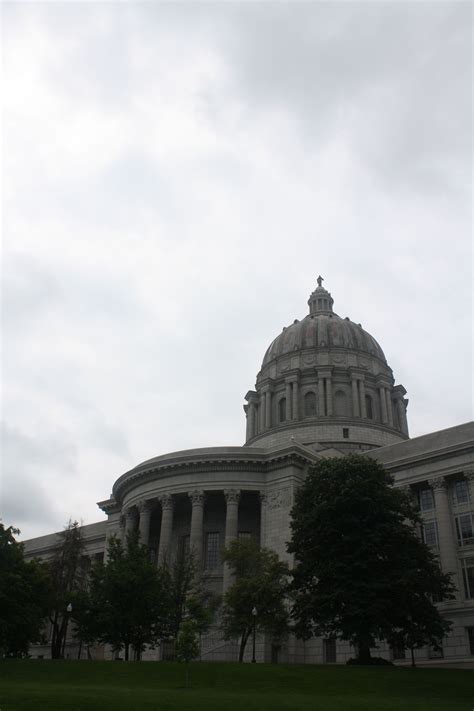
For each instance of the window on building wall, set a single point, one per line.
(468, 577)
(184, 546)
(282, 409)
(425, 499)
(244, 535)
(345, 432)
(430, 533)
(212, 551)
(368, 407)
(465, 529)
(310, 405)
(470, 637)
(461, 492)
(329, 650)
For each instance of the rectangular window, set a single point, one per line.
(465, 529)
(468, 577)
(425, 499)
(430, 533)
(461, 492)
(470, 636)
(212, 551)
(329, 650)
(184, 546)
(345, 432)
(244, 535)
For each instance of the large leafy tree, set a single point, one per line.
(68, 572)
(260, 582)
(128, 603)
(24, 596)
(362, 574)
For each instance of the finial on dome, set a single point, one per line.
(320, 300)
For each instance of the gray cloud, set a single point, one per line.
(177, 175)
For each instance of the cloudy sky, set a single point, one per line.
(175, 178)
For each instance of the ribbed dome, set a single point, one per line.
(323, 330)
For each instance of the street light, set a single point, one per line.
(254, 616)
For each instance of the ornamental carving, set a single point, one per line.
(438, 483)
(144, 507)
(232, 496)
(166, 501)
(278, 499)
(197, 497)
(469, 474)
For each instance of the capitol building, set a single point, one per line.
(324, 389)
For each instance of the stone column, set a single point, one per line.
(296, 398)
(402, 415)
(447, 542)
(329, 395)
(321, 397)
(262, 411)
(389, 406)
(383, 404)
(268, 409)
(166, 528)
(197, 517)
(363, 408)
(263, 518)
(232, 497)
(288, 401)
(355, 397)
(250, 420)
(121, 531)
(130, 521)
(144, 507)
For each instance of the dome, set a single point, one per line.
(324, 379)
(323, 330)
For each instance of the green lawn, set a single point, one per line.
(117, 686)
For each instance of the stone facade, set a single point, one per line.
(324, 389)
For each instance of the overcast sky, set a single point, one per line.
(175, 178)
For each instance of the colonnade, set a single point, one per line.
(139, 517)
(260, 408)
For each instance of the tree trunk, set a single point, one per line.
(126, 652)
(364, 652)
(243, 643)
(412, 656)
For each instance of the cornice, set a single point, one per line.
(426, 457)
(248, 461)
(332, 420)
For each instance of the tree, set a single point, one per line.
(24, 596)
(187, 597)
(187, 646)
(261, 582)
(362, 574)
(68, 572)
(128, 602)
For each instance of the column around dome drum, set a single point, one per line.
(288, 400)
(296, 398)
(329, 396)
(321, 397)
(389, 406)
(363, 408)
(355, 397)
(383, 404)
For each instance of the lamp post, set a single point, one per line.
(254, 616)
(68, 612)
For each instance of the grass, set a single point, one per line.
(147, 686)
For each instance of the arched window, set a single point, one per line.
(368, 407)
(310, 405)
(282, 410)
(340, 403)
